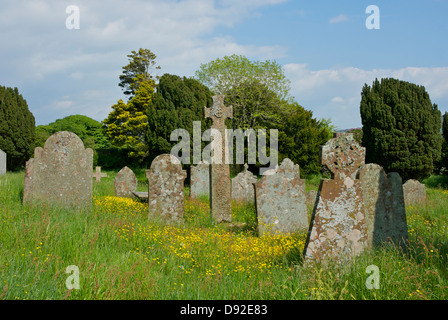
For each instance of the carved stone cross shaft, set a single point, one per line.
(220, 195)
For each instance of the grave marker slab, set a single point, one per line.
(2, 162)
(383, 206)
(125, 183)
(414, 192)
(338, 228)
(166, 188)
(242, 186)
(280, 200)
(61, 172)
(200, 180)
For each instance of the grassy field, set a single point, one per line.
(121, 254)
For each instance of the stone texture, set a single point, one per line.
(414, 192)
(338, 228)
(200, 180)
(98, 174)
(61, 172)
(311, 198)
(2, 162)
(166, 189)
(383, 206)
(220, 194)
(242, 186)
(280, 200)
(125, 183)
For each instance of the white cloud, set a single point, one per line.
(336, 93)
(338, 19)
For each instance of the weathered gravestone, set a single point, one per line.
(242, 186)
(383, 206)
(414, 192)
(98, 174)
(2, 162)
(280, 200)
(125, 183)
(338, 226)
(200, 180)
(166, 188)
(61, 172)
(220, 196)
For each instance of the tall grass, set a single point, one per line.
(122, 254)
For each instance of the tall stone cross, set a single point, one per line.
(220, 196)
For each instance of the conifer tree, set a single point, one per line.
(401, 128)
(17, 128)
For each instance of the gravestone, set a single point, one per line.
(125, 183)
(383, 206)
(220, 195)
(98, 174)
(60, 172)
(414, 192)
(2, 162)
(338, 228)
(166, 188)
(242, 186)
(200, 180)
(280, 200)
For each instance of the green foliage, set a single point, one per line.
(176, 104)
(87, 129)
(300, 137)
(259, 94)
(137, 71)
(357, 134)
(230, 72)
(442, 165)
(401, 128)
(17, 128)
(126, 124)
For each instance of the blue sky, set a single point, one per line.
(324, 47)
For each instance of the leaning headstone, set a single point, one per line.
(338, 228)
(98, 174)
(280, 200)
(2, 162)
(383, 206)
(242, 186)
(200, 180)
(414, 192)
(61, 172)
(166, 188)
(221, 198)
(125, 183)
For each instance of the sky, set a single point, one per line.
(325, 48)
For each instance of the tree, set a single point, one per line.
(126, 124)
(300, 137)
(230, 72)
(442, 165)
(138, 71)
(87, 129)
(401, 128)
(176, 104)
(17, 128)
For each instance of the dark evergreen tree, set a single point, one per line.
(401, 128)
(17, 128)
(176, 104)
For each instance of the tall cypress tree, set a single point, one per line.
(17, 128)
(401, 128)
